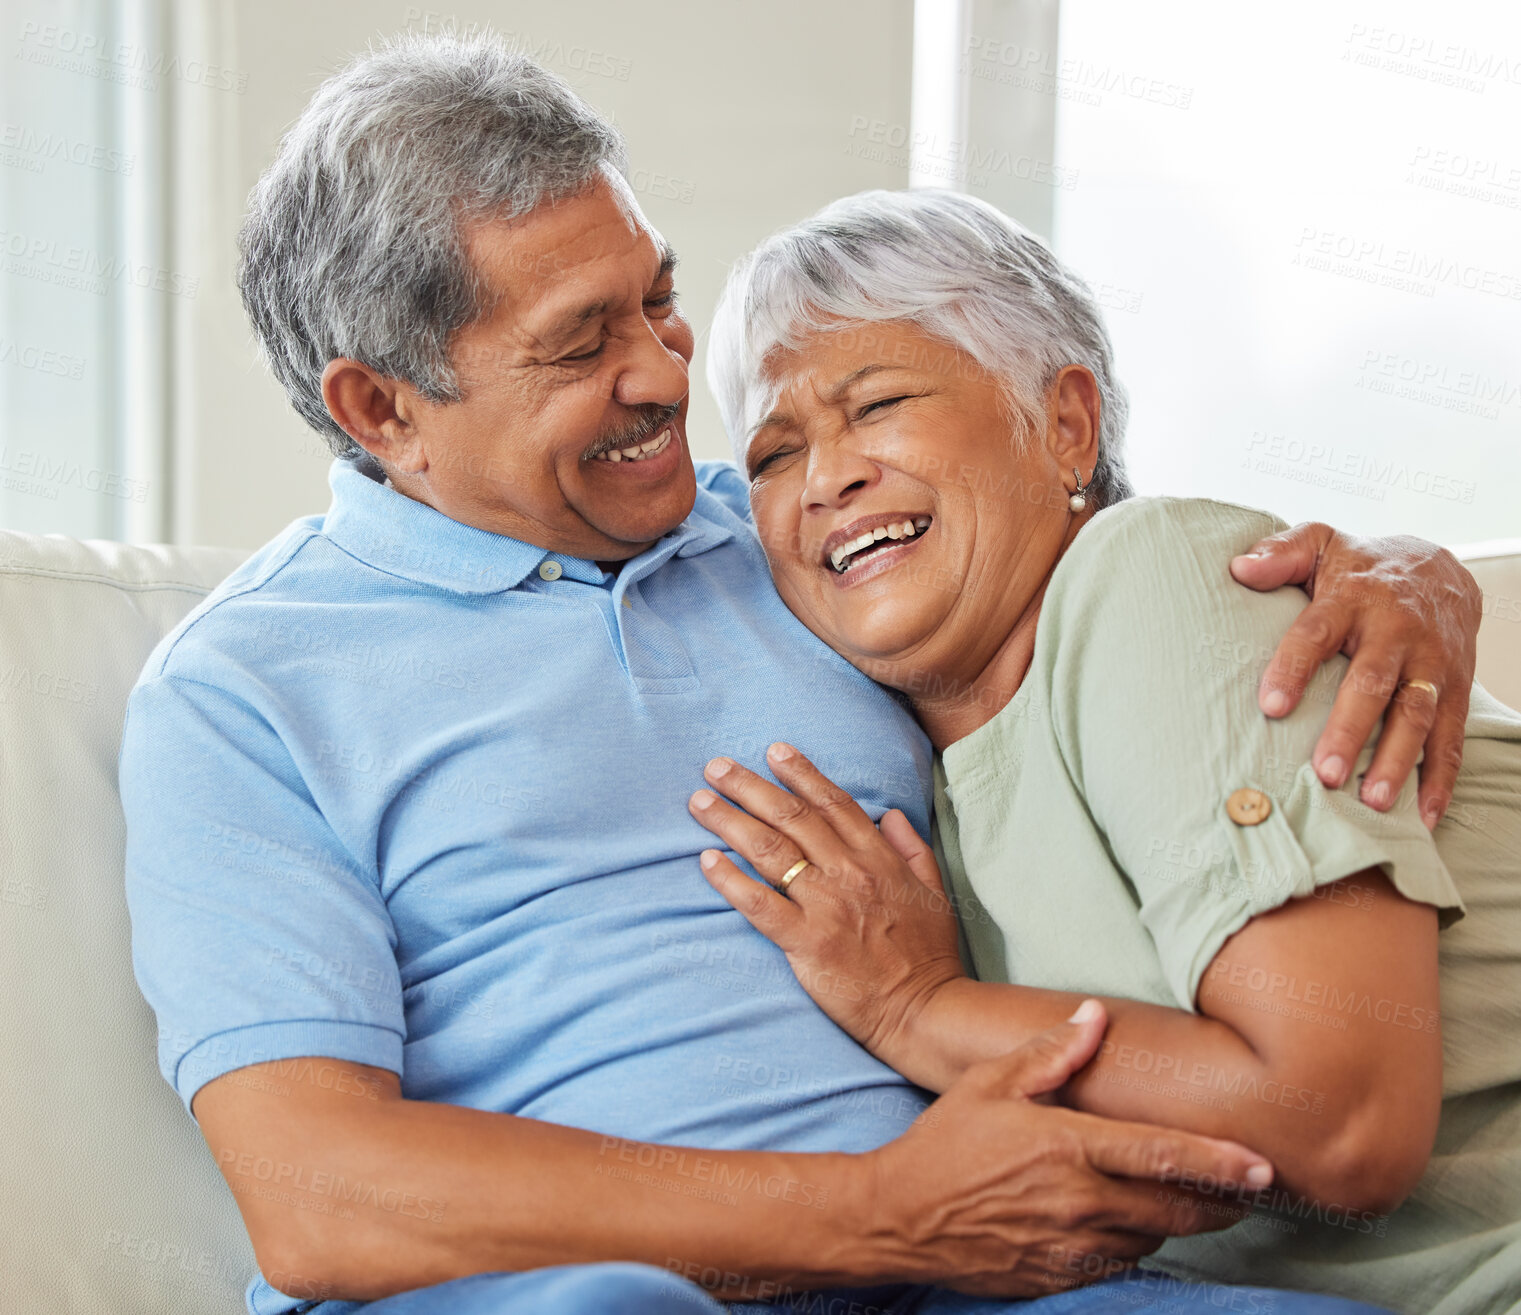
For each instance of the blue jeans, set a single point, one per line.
(628, 1289)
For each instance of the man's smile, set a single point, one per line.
(643, 451)
(647, 462)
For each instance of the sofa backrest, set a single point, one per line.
(112, 1202)
(1497, 568)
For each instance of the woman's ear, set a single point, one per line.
(1072, 429)
(373, 410)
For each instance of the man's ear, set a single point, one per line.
(376, 412)
(1072, 414)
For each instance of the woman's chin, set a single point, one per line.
(886, 651)
(883, 634)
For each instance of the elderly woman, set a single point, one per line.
(924, 402)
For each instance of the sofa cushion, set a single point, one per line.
(113, 1201)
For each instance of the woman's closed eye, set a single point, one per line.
(761, 463)
(882, 402)
(770, 459)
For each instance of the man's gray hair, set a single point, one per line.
(353, 247)
(958, 268)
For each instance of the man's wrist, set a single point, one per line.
(863, 1241)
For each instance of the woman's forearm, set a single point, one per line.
(967, 1021)
(1156, 1065)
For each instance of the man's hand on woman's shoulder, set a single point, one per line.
(1407, 614)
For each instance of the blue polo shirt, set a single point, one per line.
(411, 794)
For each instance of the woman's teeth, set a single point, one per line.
(639, 451)
(840, 558)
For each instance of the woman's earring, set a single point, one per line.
(1079, 500)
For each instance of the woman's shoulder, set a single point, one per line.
(1150, 548)
(1175, 526)
(1151, 574)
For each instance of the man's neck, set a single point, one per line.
(415, 489)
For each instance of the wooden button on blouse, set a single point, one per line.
(1247, 807)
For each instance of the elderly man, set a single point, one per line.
(414, 890)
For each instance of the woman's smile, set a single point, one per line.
(870, 545)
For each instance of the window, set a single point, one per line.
(1303, 223)
(84, 283)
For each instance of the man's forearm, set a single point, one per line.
(348, 1190)
(363, 1198)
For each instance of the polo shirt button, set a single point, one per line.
(550, 570)
(1247, 807)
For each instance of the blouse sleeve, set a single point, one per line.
(1211, 810)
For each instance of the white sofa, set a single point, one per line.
(109, 1201)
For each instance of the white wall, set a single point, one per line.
(741, 116)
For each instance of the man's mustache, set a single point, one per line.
(644, 422)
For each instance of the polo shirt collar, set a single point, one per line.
(406, 538)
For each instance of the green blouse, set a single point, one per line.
(1131, 809)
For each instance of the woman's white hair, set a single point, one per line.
(958, 268)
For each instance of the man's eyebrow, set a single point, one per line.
(567, 324)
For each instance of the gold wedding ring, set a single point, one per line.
(1435, 693)
(790, 875)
